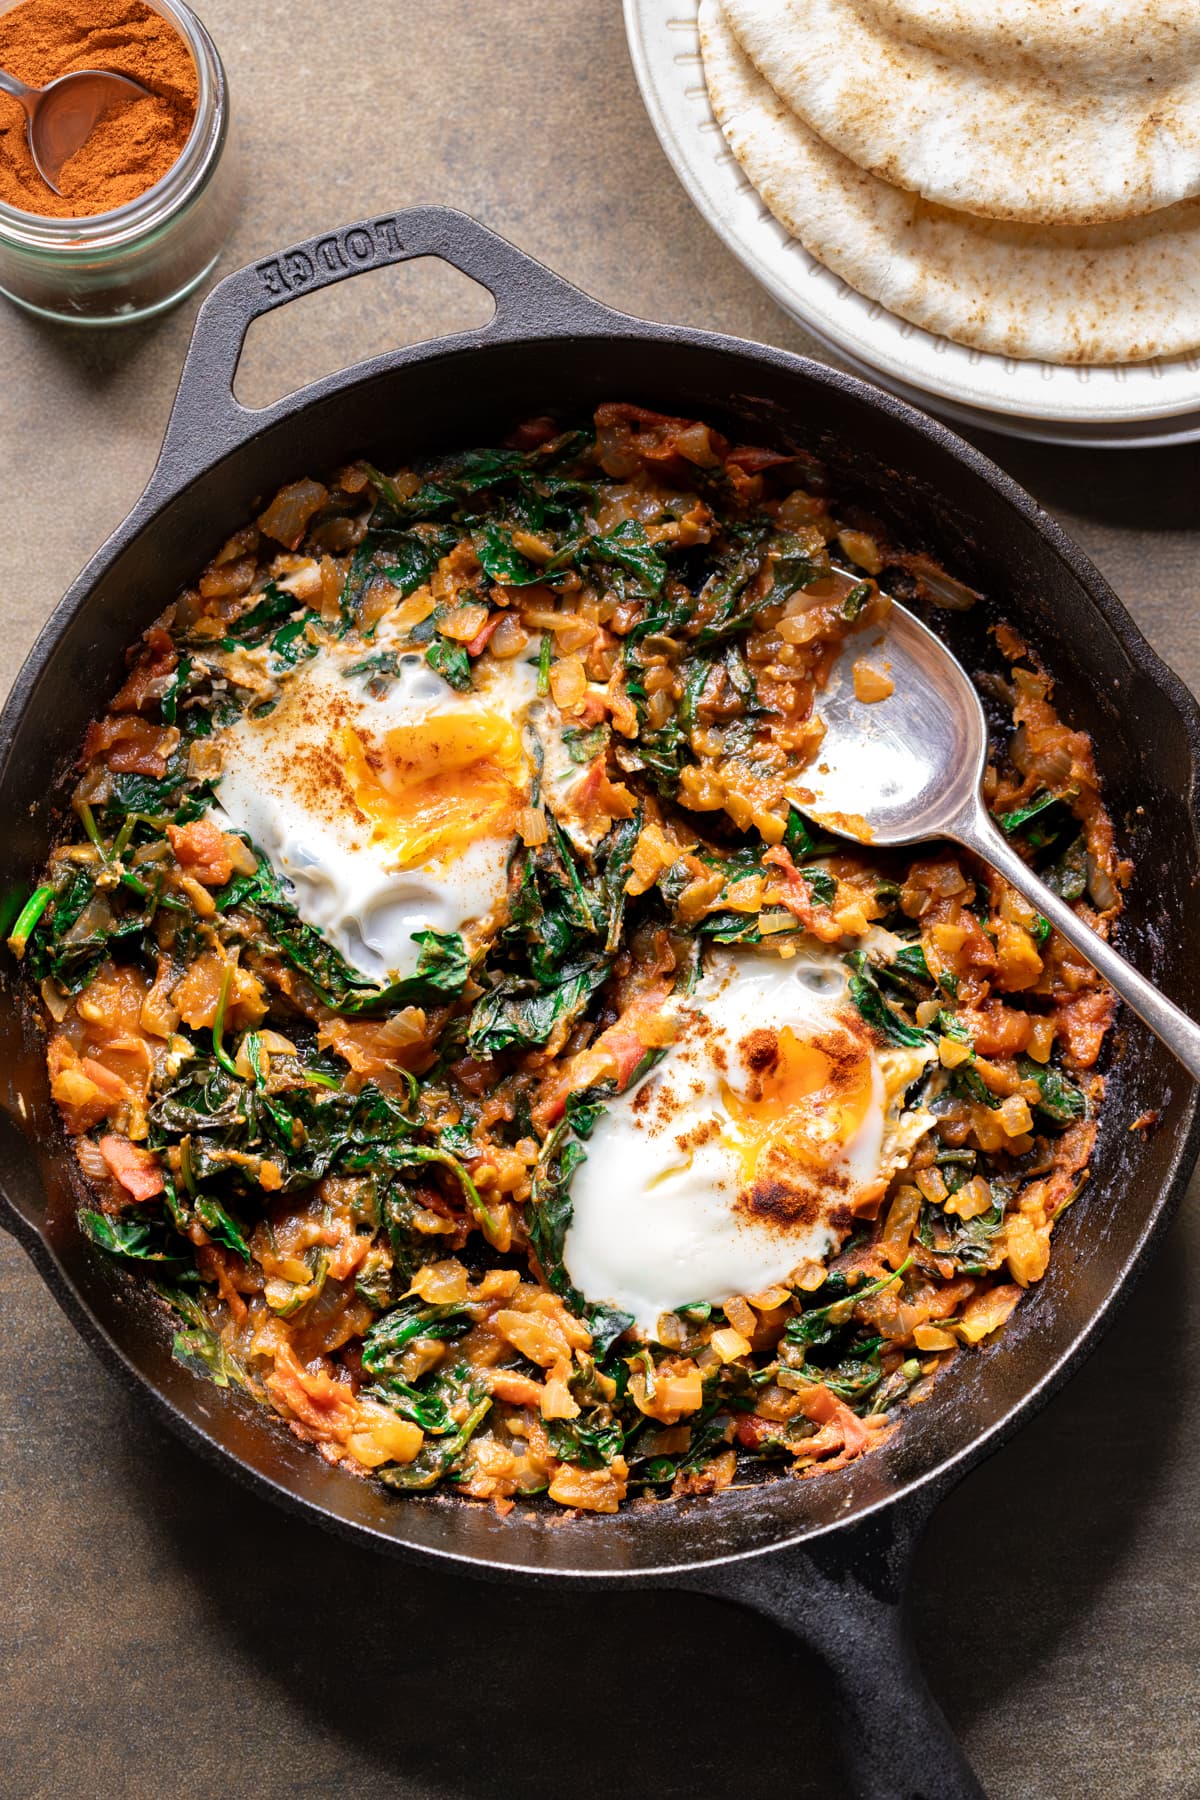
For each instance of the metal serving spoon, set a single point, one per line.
(62, 116)
(911, 767)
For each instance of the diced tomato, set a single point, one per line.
(105, 1079)
(147, 679)
(814, 915)
(615, 1054)
(313, 1395)
(752, 459)
(136, 1169)
(531, 433)
(479, 642)
(130, 745)
(203, 851)
(824, 1408)
(997, 1029)
(85, 1090)
(597, 796)
(515, 1389)
(631, 435)
(626, 1049)
(1082, 1022)
(215, 1263)
(640, 1028)
(751, 1431)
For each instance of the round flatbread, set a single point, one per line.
(1106, 44)
(1062, 294)
(1075, 112)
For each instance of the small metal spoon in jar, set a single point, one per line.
(909, 767)
(62, 116)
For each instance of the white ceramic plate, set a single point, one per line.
(1127, 404)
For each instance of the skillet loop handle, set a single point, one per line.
(207, 422)
(845, 1597)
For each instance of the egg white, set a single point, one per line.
(285, 783)
(561, 779)
(664, 1212)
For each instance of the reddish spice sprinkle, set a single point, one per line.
(134, 144)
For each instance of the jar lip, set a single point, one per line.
(171, 191)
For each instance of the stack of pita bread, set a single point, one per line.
(1022, 176)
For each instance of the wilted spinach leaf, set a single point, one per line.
(451, 662)
(866, 994)
(389, 1337)
(494, 548)
(436, 1460)
(136, 1233)
(520, 1014)
(629, 547)
(1058, 1097)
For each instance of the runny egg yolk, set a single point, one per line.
(775, 1120)
(389, 807)
(433, 787)
(803, 1099)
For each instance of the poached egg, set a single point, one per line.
(389, 803)
(775, 1118)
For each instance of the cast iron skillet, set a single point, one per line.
(828, 1559)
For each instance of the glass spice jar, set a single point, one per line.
(143, 257)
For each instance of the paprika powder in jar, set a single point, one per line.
(147, 202)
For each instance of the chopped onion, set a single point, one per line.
(508, 639)
(286, 518)
(465, 622)
(90, 1159)
(942, 589)
(94, 921)
(1100, 886)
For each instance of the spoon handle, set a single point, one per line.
(10, 85)
(1180, 1034)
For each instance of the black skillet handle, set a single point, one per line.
(846, 1597)
(207, 421)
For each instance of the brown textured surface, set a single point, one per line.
(162, 1633)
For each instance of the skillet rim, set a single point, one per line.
(590, 319)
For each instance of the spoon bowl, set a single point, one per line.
(909, 767)
(62, 116)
